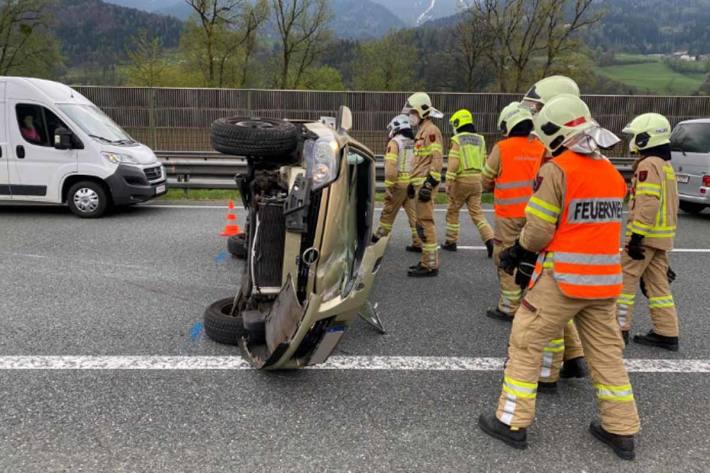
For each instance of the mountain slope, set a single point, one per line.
(417, 12)
(362, 19)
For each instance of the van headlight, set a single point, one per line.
(118, 158)
(322, 161)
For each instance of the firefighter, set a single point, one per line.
(650, 231)
(398, 164)
(463, 180)
(573, 220)
(510, 172)
(425, 179)
(569, 347)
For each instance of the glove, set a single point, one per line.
(525, 270)
(410, 191)
(512, 257)
(634, 248)
(425, 193)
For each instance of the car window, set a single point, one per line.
(691, 138)
(37, 124)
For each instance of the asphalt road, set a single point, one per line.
(136, 283)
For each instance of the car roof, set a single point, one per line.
(50, 91)
(696, 120)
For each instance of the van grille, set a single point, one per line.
(269, 245)
(153, 174)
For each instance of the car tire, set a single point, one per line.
(237, 246)
(222, 327)
(691, 207)
(256, 137)
(88, 199)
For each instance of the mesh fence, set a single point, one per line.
(179, 119)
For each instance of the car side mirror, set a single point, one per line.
(63, 138)
(344, 121)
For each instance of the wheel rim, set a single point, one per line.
(260, 124)
(86, 200)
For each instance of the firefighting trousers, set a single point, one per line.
(396, 198)
(427, 229)
(466, 190)
(654, 271)
(507, 231)
(542, 316)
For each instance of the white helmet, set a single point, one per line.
(398, 123)
(420, 102)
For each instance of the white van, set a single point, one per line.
(58, 147)
(690, 147)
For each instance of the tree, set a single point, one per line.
(27, 45)
(472, 43)
(222, 34)
(303, 35)
(147, 64)
(388, 64)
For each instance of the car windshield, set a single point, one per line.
(691, 138)
(96, 123)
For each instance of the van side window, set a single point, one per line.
(37, 124)
(691, 138)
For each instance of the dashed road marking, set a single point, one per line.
(337, 363)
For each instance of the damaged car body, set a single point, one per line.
(311, 259)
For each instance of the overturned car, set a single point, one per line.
(310, 255)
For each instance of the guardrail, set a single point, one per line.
(212, 170)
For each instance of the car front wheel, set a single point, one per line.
(691, 207)
(87, 199)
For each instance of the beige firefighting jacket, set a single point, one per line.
(428, 153)
(653, 203)
(491, 169)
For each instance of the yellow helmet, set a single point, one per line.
(648, 131)
(420, 103)
(546, 89)
(513, 114)
(561, 119)
(461, 118)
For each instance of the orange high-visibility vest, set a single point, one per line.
(520, 159)
(584, 252)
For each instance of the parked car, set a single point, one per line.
(690, 145)
(58, 147)
(311, 257)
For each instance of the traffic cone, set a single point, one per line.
(231, 228)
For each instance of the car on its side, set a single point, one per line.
(690, 147)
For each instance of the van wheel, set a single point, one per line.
(691, 207)
(275, 140)
(237, 246)
(222, 327)
(87, 199)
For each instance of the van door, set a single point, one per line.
(36, 168)
(5, 193)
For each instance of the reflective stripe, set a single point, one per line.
(417, 181)
(453, 226)
(582, 258)
(543, 210)
(622, 393)
(515, 184)
(450, 176)
(430, 247)
(653, 190)
(512, 200)
(588, 279)
(391, 157)
(519, 388)
(627, 298)
(481, 225)
(470, 172)
(660, 302)
(389, 183)
(544, 205)
(556, 345)
(436, 147)
(435, 175)
(386, 226)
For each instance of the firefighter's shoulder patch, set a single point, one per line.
(432, 138)
(537, 183)
(643, 175)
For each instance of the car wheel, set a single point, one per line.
(221, 326)
(87, 199)
(275, 140)
(237, 246)
(691, 207)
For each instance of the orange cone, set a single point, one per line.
(231, 228)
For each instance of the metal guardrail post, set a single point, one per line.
(151, 118)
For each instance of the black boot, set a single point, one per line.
(654, 340)
(414, 249)
(623, 445)
(497, 429)
(547, 388)
(449, 246)
(420, 271)
(490, 244)
(625, 336)
(573, 368)
(498, 314)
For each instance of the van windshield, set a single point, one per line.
(96, 123)
(691, 138)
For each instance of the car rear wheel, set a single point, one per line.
(237, 246)
(692, 207)
(221, 326)
(87, 199)
(276, 140)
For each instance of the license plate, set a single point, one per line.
(160, 189)
(683, 178)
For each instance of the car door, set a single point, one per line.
(36, 168)
(5, 193)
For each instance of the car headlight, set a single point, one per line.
(119, 158)
(322, 161)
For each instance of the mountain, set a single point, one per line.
(98, 33)
(362, 19)
(417, 12)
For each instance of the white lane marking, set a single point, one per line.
(338, 363)
(676, 250)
